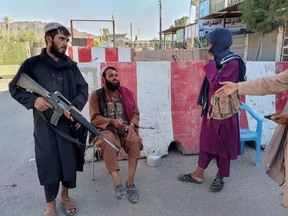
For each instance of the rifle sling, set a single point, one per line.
(64, 135)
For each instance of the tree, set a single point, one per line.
(182, 21)
(264, 16)
(105, 33)
(6, 20)
(27, 35)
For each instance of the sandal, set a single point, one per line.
(133, 195)
(188, 178)
(120, 191)
(217, 185)
(50, 213)
(69, 206)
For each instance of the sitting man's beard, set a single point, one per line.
(55, 52)
(112, 86)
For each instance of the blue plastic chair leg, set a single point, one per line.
(258, 148)
(242, 146)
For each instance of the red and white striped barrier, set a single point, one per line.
(166, 94)
(91, 54)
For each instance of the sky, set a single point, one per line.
(142, 15)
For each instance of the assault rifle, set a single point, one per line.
(60, 103)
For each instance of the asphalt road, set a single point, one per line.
(247, 192)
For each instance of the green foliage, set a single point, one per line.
(264, 15)
(7, 22)
(105, 33)
(27, 36)
(201, 42)
(22, 36)
(12, 53)
(182, 21)
(97, 43)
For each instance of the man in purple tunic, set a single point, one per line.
(219, 139)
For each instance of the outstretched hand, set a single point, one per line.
(227, 89)
(280, 119)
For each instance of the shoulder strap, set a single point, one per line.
(64, 135)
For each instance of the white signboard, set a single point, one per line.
(235, 24)
(208, 25)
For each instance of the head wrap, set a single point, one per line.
(221, 39)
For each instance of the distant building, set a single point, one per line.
(86, 42)
(212, 14)
(119, 40)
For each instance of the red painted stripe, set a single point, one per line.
(127, 75)
(84, 54)
(282, 97)
(90, 42)
(111, 54)
(70, 52)
(186, 80)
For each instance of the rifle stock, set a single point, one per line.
(60, 104)
(28, 83)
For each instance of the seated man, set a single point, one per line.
(114, 111)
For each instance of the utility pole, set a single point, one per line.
(131, 32)
(113, 11)
(160, 24)
(113, 23)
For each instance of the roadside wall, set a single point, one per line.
(166, 93)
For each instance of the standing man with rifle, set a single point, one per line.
(57, 157)
(114, 111)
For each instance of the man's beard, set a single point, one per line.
(55, 52)
(112, 86)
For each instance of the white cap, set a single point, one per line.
(52, 26)
(105, 68)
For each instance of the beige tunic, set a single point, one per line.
(265, 85)
(131, 145)
(276, 158)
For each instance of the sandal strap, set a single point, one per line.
(217, 184)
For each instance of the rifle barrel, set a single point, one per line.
(80, 119)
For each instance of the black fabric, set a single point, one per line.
(78, 136)
(203, 96)
(80, 133)
(51, 191)
(102, 100)
(56, 157)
